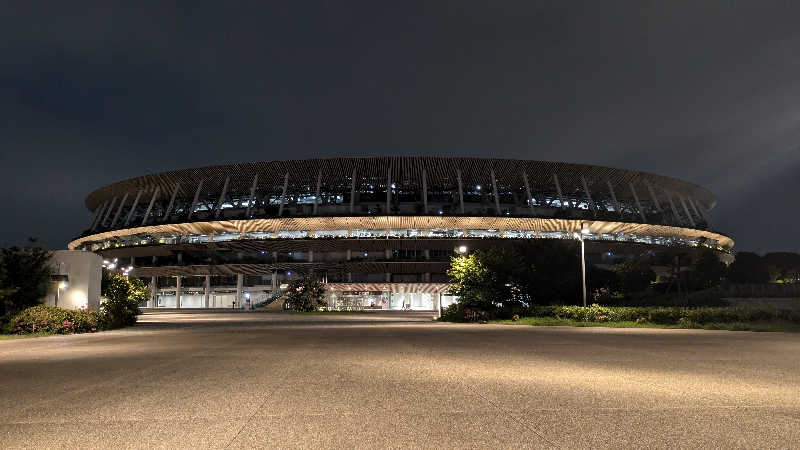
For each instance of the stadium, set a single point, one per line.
(379, 231)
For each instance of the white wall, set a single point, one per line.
(84, 272)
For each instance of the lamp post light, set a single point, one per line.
(580, 236)
(462, 249)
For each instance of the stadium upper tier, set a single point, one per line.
(411, 187)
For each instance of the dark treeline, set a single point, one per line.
(548, 273)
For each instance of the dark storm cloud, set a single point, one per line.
(704, 91)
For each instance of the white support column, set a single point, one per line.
(222, 195)
(353, 191)
(460, 191)
(178, 292)
(95, 216)
(316, 194)
(638, 203)
(558, 191)
(703, 212)
(252, 198)
(653, 196)
(275, 286)
(133, 208)
(494, 190)
(614, 197)
(239, 290)
(528, 190)
(283, 194)
(119, 211)
(150, 206)
(195, 200)
(592, 206)
(388, 277)
(108, 211)
(171, 203)
(686, 210)
(153, 303)
(672, 207)
(424, 192)
(207, 291)
(694, 208)
(98, 215)
(311, 256)
(437, 305)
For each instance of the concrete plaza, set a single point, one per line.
(244, 380)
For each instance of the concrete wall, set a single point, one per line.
(83, 270)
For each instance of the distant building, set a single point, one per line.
(379, 231)
(76, 280)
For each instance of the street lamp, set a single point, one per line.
(462, 249)
(584, 231)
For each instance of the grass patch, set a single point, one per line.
(8, 337)
(783, 326)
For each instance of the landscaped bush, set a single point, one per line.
(663, 315)
(122, 297)
(459, 312)
(52, 319)
(708, 297)
(453, 313)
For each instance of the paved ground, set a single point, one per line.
(277, 380)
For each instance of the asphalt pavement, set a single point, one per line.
(277, 380)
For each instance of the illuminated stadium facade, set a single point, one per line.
(379, 231)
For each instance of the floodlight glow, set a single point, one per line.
(462, 249)
(62, 285)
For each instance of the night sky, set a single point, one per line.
(705, 91)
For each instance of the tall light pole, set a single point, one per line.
(584, 231)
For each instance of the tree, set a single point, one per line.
(122, 297)
(557, 275)
(305, 294)
(24, 277)
(784, 267)
(635, 276)
(490, 279)
(748, 268)
(706, 270)
(601, 283)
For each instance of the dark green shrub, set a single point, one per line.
(305, 294)
(51, 319)
(24, 278)
(122, 297)
(695, 299)
(663, 315)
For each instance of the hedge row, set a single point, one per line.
(51, 319)
(664, 315)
